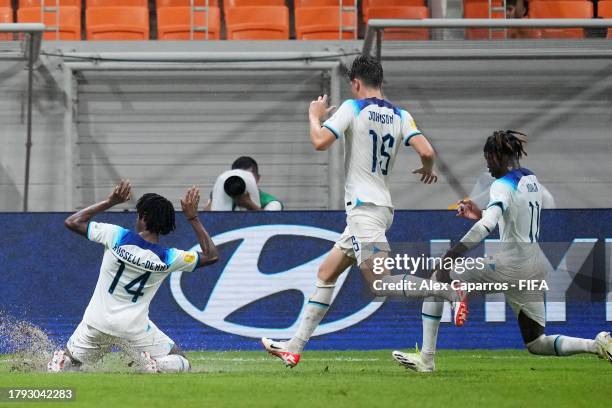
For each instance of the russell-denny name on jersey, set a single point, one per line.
(134, 260)
(381, 117)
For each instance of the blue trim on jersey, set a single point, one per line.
(127, 237)
(364, 103)
(355, 106)
(430, 317)
(334, 131)
(407, 138)
(88, 225)
(120, 235)
(513, 177)
(497, 203)
(197, 261)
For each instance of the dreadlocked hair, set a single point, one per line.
(157, 213)
(506, 144)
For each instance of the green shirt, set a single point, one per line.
(266, 198)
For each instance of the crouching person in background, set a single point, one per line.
(238, 190)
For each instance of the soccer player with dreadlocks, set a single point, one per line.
(133, 268)
(515, 204)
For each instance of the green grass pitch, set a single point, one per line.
(500, 378)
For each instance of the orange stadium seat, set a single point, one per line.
(6, 3)
(408, 12)
(69, 21)
(49, 3)
(561, 9)
(6, 16)
(322, 3)
(173, 23)
(182, 3)
(367, 4)
(481, 10)
(604, 10)
(322, 23)
(252, 3)
(257, 23)
(117, 3)
(117, 23)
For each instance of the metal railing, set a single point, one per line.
(377, 26)
(30, 53)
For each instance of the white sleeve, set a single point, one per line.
(341, 119)
(548, 201)
(485, 226)
(500, 195)
(105, 234)
(274, 206)
(185, 261)
(409, 127)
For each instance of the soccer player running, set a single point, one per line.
(372, 130)
(515, 203)
(133, 268)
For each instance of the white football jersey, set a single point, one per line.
(372, 130)
(131, 273)
(519, 195)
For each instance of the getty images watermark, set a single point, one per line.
(514, 267)
(476, 267)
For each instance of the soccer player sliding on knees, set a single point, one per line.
(133, 268)
(515, 203)
(372, 130)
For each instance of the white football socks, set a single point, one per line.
(431, 313)
(172, 363)
(317, 306)
(558, 345)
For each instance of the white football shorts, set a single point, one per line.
(365, 232)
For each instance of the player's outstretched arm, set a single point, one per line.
(321, 137)
(421, 145)
(79, 221)
(189, 204)
(487, 221)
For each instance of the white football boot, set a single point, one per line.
(414, 361)
(279, 349)
(604, 345)
(148, 363)
(57, 362)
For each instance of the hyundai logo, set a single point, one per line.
(242, 283)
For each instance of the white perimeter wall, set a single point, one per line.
(166, 131)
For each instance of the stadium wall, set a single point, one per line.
(266, 272)
(166, 130)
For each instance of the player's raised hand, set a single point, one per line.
(318, 108)
(121, 193)
(428, 176)
(469, 210)
(189, 203)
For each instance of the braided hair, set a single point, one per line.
(505, 144)
(157, 213)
